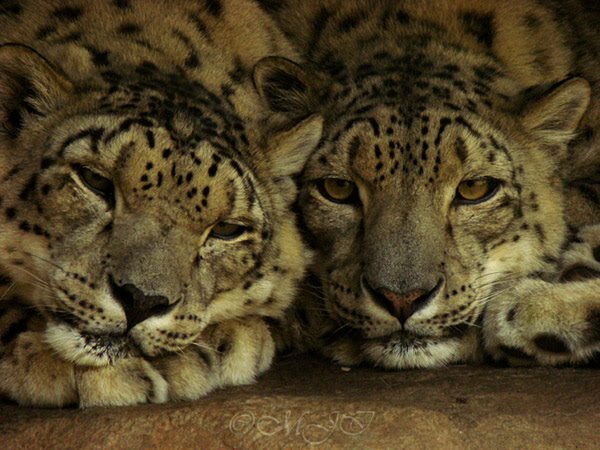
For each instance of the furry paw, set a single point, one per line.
(231, 353)
(554, 320)
(31, 374)
(545, 323)
(245, 349)
(127, 382)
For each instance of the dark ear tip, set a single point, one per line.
(284, 85)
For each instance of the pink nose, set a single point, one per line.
(402, 304)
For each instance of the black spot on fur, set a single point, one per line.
(212, 170)
(461, 149)
(44, 32)
(224, 348)
(462, 121)
(146, 68)
(238, 73)
(95, 135)
(150, 139)
(551, 343)
(29, 188)
(197, 260)
(122, 4)
(375, 126)
(12, 8)
(586, 191)
(237, 168)
(68, 13)
(444, 122)
(540, 232)
(129, 29)
(215, 7)
(111, 77)
(355, 145)
(271, 6)
(593, 320)
(192, 61)
(128, 123)
(402, 17)
(596, 253)
(11, 213)
(71, 37)
(99, 58)
(349, 24)
(532, 22)
(14, 331)
(318, 26)
(14, 122)
(579, 273)
(510, 316)
(481, 26)
(200, 27)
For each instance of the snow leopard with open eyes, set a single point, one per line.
(453, 201)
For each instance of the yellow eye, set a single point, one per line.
(227, 230)
(338, 190)
(96, 183)
(476, 191)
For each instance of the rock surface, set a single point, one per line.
(306, 402)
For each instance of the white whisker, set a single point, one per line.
(8, 289)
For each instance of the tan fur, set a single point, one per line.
(129, 131)
(419, 96)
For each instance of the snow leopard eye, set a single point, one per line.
(96, 183)
(471, 192)
(338, 190)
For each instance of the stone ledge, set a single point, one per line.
(306, 400)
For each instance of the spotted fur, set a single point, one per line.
(419, 97)
(145, 225)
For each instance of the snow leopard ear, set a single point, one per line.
(29, 86)
(555, 116)
(285, 86)
(290, 149)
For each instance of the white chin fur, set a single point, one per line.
(391, 355)
(72, 346)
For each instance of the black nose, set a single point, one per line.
(405, 304)
(137, 305)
